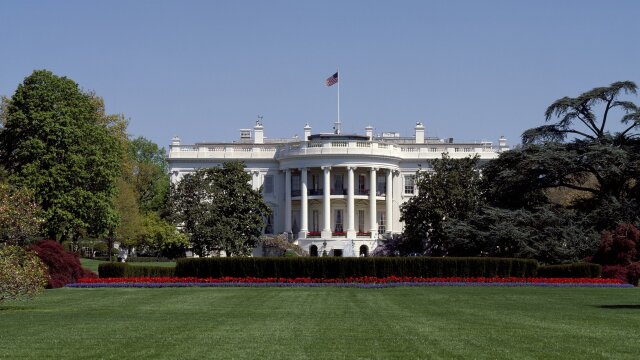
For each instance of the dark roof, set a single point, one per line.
(338, 137)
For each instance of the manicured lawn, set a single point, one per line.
(93, 264)
(326, 323)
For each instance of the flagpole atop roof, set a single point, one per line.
(332, 80)
(339, 124)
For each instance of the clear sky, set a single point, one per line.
(470, 70)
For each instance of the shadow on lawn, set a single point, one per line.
(637, 307)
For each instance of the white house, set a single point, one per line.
(333, 192)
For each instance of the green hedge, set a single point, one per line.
(336, 267)
(577, 270)
(118, 270)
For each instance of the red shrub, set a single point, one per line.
(64, 267)
(633, 273)
(615, 272)
(619, 246)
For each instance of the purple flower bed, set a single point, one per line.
(346, 285)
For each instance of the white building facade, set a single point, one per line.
(339, 193)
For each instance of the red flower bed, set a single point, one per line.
(361, 280)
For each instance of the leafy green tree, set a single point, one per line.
(22, 273)
(577, 116)
(149, 173)
(550, 234)
(130, 226)
(55, 143)
(450, 191)
(20, 216)
(218, 210)
(161, 237)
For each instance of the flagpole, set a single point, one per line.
(339, 123)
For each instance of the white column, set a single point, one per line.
(351, 229)
(373, 226)
(304, 221)
(389, 201)
(326, 202)
(287, 202)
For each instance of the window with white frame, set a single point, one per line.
(361, 221)
(409, 184)
(268, 184)
(381, 222)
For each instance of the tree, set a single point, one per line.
(549, 234)
(218, 210)
(577, 117)
(599, 167)
(149, 173)
(54, 143)
(450, 191)
(22, 273)
(161, 238)
(130, 226)
(20, 216)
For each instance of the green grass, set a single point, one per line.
(92, 264)
(325, 323)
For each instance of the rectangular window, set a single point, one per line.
(362, 185)
(338, 181)
(361, 221)
(381, 222)
(295, 185)
(381, 184)
(409, 184)
(268, 184)
(315, 220)
(338, 222)
(269, 225)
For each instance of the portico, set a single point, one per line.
(334, 200)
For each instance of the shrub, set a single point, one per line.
(337, 267)
(124, 270)
(112, 270)
(22, 273)
(577, 270)
(147, 259)
(633, 273)
(63, 267)
(619, 253)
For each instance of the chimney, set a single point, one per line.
(175, 143)
(307, 132)
(368, 131)
(502, 143)
(419, 133)
(258, 133)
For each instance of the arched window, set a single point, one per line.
(364, 251)
(313, 250)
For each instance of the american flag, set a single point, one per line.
(331, 79)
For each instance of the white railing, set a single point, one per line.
(348, 147)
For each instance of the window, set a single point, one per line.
(295, 185)
(361, 221)
(337, 252)
(381, 185)
(268, 184)
(362, 184)
(269, 224)
(338, 223)
(313, 250)
(315, 220)
(381, 222)
(338, 181)
(409, 184)
(468, 149)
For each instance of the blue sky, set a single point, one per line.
(471, 70)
